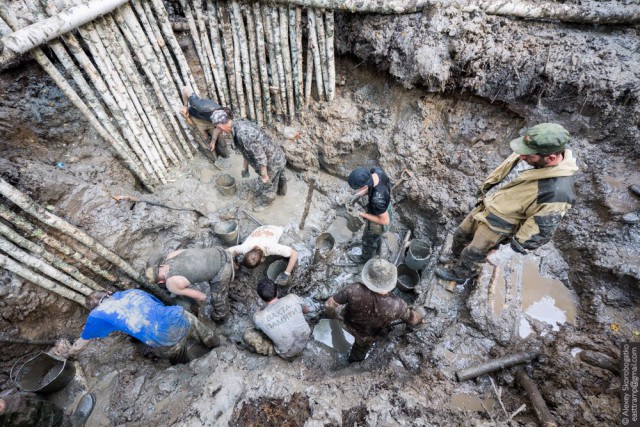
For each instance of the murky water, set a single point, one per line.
(330, 333)
(545, 299)
(469, 402)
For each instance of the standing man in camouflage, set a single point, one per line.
(522, 201)
(198, 112)
(259, 152)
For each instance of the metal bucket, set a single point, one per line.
(418, 254)
(43, 373)
(324, 247)
(226, 185)
(408, 278)
(227, 231)
(275, 268)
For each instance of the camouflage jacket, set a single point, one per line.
(256, 146)
(531, 206)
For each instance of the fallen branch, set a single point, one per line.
(537, 401)
(149, 202)
(495, 365)
(600, 360)
(307, 203)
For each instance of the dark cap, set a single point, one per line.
(545, 138)
(359, 177)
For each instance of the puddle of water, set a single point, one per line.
(469, 402)
(330, 333)
(545, 299)
(524, 329)
(339, 230)
(575, 351)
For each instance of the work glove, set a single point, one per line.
(282, 279)
(353, 200)
(61, 348)
(245, 173)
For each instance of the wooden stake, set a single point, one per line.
(208, 52)
(229, 55)
(275, 26)
(214, 30)
(331, 61)
(308, 83)
(206, 71)
(228, 18)
(537, 401)
(286, 59)
(274, 87)
(313, 41)
(322, 48)
(253, 60)
(262, 61)
(296, 56)
(241, 37)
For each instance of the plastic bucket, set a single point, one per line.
(418, 254)
(408, 278)
(43, 373)
(324, 247)
(227, 231)
(226, 185)
(275, 268)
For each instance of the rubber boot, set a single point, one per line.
(635, 189)
(83, 410)
(282, 185)
(632, 217)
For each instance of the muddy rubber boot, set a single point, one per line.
(83, 410)
(282, 185)
(450, 275)
(632, 218)
(635, 189)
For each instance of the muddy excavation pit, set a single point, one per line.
(450, 126)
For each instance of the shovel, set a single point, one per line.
(406, 175)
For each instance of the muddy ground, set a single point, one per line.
(440, 94)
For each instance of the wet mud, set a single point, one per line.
(449, 122)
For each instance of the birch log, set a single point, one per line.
(322, 49)
(313, 42)
(237, 66)
(150, 63)
(331, 61)
(262, 61)
(275, 26)
(53, 242)
(241, 35)
(29, 206)
(36, 279)
(229, 56)
(27, 38)
(208, 77)
(296, 52)
(214, 32)
(208, 51)
(286, 59)
(308, 83)
(21, 256)
(106, 34)
(274, 87)
(49, 257)
(60, 81)
(253, 61)
(165, 27)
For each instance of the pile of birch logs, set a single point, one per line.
(128, 69)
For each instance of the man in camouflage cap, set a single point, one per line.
(266, 158)
(522, 201)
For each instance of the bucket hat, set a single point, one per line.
(379, 275)
(545, 138)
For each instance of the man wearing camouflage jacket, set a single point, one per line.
(266, 158)
(522, 201)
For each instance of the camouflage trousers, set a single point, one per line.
(206, 129)
(372, 236)
(195, 343)
(472, 242)
(258, 342)
(219, 287)
(268, 191)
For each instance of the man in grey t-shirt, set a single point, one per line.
(281, 326)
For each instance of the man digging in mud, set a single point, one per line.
(171, 332)
(281, 326)
(523, 200)
(266, 158)
(198, 111)
(263, 242)
(367, 308)
(374, 183)
(180, 269)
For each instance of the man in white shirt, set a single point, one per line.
(261, 243)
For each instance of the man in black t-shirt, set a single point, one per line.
(198, 111)
(374, 183)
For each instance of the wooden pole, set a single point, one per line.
(496, 364)
(322, 49)
(36, 279)
(275, 26)
(206, 71)
(286, 59)
(228, 18)
(296, 51)
(214, 30)
(19, 255)
(253, 60)
(308, 83)
(29, 206)
(274, 88)
(313, 42)
(27, 38)
(208, 52)
(55, 243)
(262, 61)
(229, 56)
(331, 61)
(48, 256)
(241, 36)
(537, 401)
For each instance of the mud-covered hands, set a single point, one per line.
(61, 348)
(353, 211)
(184, 111)
(282, 279)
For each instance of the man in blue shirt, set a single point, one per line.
(375, 184)
(169, 330)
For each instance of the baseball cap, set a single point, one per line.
(545, 138)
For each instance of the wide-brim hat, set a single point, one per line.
(379, 275)
(545, 138)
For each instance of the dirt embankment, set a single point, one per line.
(468, 84)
